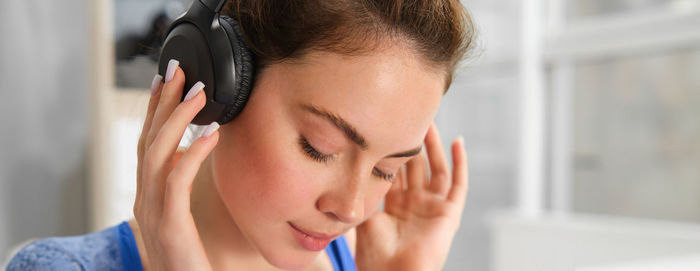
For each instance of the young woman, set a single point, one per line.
(343, 102)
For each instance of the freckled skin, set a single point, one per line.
(264, 179)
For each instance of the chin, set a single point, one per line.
(290, 261)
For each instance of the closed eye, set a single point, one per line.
(385, 176)
(312, 152)
(317, 156)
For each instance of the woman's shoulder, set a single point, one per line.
(93, 251)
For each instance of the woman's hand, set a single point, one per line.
(164, 182)
(421, 214)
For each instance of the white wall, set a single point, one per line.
(44, 119)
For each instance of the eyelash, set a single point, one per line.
(385, 176)
(313, 153)
(324, 158)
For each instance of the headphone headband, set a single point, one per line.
(213, 5)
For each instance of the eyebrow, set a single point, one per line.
(350, 131)
(408, 153)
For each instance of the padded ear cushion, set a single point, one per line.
(245, 66)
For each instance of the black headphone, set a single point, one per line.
(210, 48)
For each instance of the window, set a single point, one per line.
(624, 93)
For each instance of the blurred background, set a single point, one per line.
(581, 119)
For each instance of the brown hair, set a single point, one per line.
(440, 31)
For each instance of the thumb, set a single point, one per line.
(376, 240)
(379, 230)
(372, 224)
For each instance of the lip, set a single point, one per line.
(310, 240)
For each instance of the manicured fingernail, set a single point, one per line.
(196, 88)
(156, 83)
(170, 72)
(211, 128)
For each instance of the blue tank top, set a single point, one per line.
(115, 249)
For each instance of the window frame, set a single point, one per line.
(567, 42)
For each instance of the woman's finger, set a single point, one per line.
(416, 174)
(439, 171)
(460, 173)
(176, 203)
(165, 144)
(156, 85)
(170, 97)
(177, 219)
(167, 140)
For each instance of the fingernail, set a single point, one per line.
(156, 83)
(460, 139)
(196, 88)
(170, 72)
(211, 128)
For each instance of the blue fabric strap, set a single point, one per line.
(127, 245)
(337, 251)
(340, 255)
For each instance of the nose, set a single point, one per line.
(345, 203)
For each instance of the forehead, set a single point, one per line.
(380, 93)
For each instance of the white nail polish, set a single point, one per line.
(170, 72)
(211, 128)
(156, 83)
(196, 88)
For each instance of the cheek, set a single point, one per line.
(262, 171)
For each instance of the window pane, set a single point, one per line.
(637, 136)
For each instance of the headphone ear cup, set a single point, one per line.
(244, 64)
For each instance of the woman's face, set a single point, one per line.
(315, 146)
